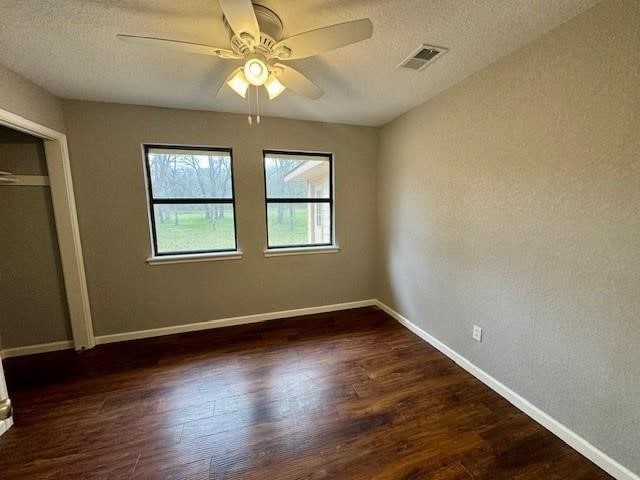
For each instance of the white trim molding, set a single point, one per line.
(190, 327)
(570, 437)
(231, 321)
(284, 252)
(66, 220)
(66, 217)
(194, 257)
(574, 440)
(38, 348)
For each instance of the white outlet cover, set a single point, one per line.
(477, 333)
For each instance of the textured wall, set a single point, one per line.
(33, 306)
(20, 96)
(511, 201)
(127, 294)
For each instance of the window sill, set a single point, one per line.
(283, 252)
(194, 257)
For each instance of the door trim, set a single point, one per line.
(66, 220)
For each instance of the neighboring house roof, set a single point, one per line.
(308, 171)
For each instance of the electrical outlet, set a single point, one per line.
(477, 333)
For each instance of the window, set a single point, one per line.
(299, 199)
(191, 199)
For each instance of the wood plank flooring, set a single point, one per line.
(346, 395)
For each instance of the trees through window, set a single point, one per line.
(299, 199)
(191, 199)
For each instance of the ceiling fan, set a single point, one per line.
(255, 34)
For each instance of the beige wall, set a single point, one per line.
(512, 201)
(127, 294)
(33, 307)
(509, 201)
(22, 97)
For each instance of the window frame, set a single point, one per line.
(330, 201)
(152, 202)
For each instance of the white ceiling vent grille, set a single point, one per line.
(423, 56)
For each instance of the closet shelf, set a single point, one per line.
(8, 179)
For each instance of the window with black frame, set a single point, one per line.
(191, 201)
(299, 199)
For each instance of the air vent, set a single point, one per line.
(422, 56)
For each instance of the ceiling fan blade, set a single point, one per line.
(177, 45)
(241, 17)
(324, 39)
(298, 83)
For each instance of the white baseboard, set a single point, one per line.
(190, 327)
(38, 348)
(567, 435)
(227, 322)
(571, 438)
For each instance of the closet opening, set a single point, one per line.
(33, 305)
(44, 303)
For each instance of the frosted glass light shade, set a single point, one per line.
(274, 87)
(239, 84)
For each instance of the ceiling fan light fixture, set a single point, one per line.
(273, 86)
(256, 70)
(239, 84)
(256, 38)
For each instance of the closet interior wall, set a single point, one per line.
(33, 307)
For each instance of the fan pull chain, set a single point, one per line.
(250, 118)
(249, 103)
(257, 106)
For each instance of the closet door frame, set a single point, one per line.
(66, 220)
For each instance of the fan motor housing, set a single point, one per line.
(271, 29)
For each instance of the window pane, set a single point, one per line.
(291, 176)
(185, 228)
(190, 173)
(298, 224)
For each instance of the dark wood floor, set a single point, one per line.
(347, 395)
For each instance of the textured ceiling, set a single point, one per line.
(69, 47)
